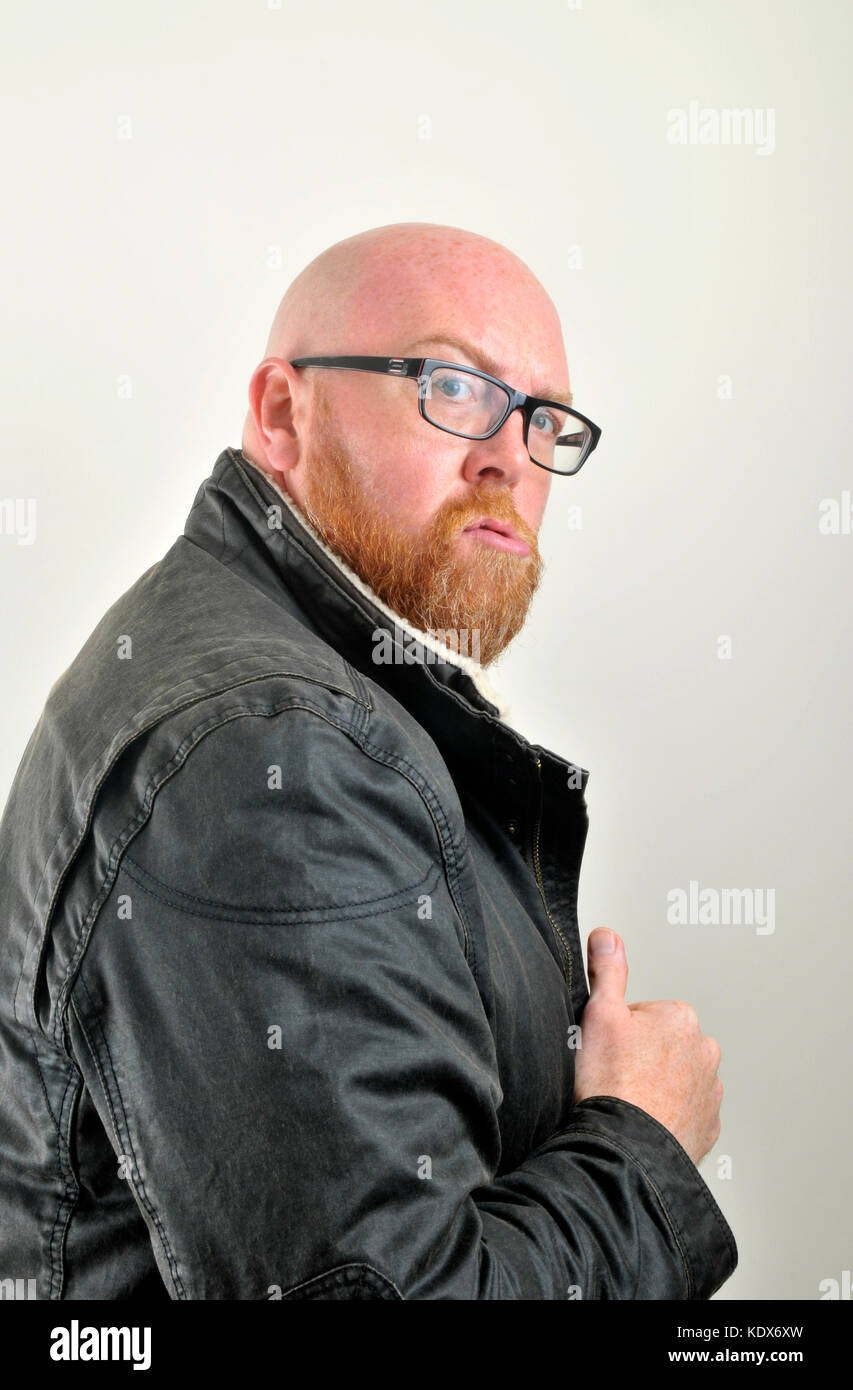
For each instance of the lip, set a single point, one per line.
(498, 534)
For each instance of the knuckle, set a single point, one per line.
(715, 1052)
(610, 1011)
(688, 1013)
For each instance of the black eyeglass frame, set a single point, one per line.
(420, 369)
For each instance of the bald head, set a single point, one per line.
(375, 292)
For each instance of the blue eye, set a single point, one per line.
(542, 419)
(451, 381)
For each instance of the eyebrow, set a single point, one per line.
(488, 364)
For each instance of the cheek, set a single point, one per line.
(401, 491)
(410, 488)
(532, 501)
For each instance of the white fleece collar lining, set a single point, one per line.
(467, 663)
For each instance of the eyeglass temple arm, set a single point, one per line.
(387, 366)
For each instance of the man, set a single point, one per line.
(293, 1001)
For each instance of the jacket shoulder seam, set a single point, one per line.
(361, 702)
(249, 914)
(131, 828)
(358, 1274)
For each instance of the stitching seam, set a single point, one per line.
(296, 916)
(196, 698)
(135, 824)
(139, 1183)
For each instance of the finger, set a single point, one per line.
(608, 966)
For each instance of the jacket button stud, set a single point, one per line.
(512, 828)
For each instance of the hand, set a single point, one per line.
(652, 1054)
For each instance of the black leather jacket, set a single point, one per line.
(290, 966)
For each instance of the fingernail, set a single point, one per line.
(602, 942)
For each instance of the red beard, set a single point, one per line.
(480, 595)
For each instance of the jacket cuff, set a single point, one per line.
(704, 1236)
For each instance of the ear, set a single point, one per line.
(274, 392)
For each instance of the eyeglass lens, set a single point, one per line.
(457, 400)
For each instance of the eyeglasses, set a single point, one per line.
(474, 405)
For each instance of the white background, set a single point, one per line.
(258, 137)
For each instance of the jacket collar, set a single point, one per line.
(246, 523)
(414, 639)
(337, 603)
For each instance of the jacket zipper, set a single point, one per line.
(541, 886)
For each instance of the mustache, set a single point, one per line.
(484, 500)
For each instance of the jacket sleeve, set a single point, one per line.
(279, 1029)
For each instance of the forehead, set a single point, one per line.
(478, 357)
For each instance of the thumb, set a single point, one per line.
(608, 966)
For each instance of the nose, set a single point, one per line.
(503, 458)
